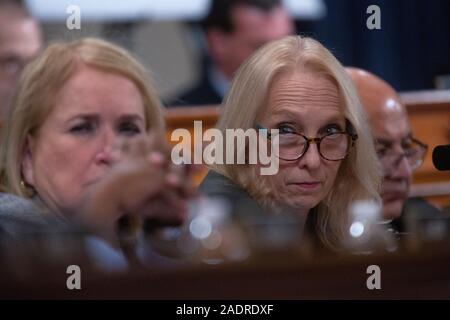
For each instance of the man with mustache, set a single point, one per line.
(399, 152)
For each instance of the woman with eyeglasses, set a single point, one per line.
(326, 154)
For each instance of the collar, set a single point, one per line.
(219, 81)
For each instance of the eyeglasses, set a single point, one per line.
(413, 150)
(334, 146)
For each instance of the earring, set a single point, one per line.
(28, 190)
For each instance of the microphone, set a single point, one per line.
(441, 157)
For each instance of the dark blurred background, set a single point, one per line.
(410, 51)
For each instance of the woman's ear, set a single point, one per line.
(27, 162)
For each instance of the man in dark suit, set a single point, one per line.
(234, 29)
(399, 152)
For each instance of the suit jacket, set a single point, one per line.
(247, 210)
(203, 93)
(415, 208)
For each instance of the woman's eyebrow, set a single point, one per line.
(285, 113)
(132, 118)
(334, 119)
(82, 116)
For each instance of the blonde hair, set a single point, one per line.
(359, 174)
(41, 81)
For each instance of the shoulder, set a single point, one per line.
(202, 93)
(19, 216)
(14, 205)
(216, 184)
(417, 209)
(242, 204)
(422, 207)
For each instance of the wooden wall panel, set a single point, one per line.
(429, 113)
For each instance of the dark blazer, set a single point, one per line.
(203, 93)
(247, 211)
(417, 209)
(243, 205)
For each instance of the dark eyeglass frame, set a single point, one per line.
(404, 154)
(353, 137)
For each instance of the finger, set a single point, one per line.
(119, 150)
(180, 177)
(162, 213)
(156, 158)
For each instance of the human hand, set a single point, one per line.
(142, 185)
